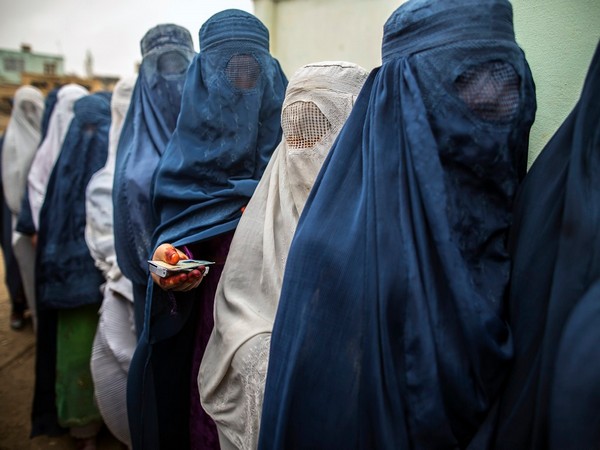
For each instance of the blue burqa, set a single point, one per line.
(66, 276)
(167, 50)
(552, 397)
(227, 130)
(389, 332)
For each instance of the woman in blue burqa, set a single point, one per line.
(167, 50)
(66, 279)
(228, 128)
(552, 395)
(389, 332)
(43, 410)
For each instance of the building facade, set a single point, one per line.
(45, 72)
(15, 62)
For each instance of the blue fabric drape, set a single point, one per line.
(25, 222)
(66, 276)
(228, 127)
(556, 251)
(389, 331)
(167, 50)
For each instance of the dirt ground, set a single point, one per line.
(17, 361)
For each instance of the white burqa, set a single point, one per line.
(22, 138)
(115, 339)
(232, 375)
(20, 144)
(47, 154)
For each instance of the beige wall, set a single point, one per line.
(305, 31)
(558, 37)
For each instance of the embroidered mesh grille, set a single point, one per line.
(172, 63)
(303, 124)
(490, 90)
(243, 71)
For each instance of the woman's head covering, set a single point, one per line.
(167, 50)
(49, 149)
(99, 234)
(389, 331)
(228, 128)
(65, 273)
(553, 306)
(318, 101)
(20, 143)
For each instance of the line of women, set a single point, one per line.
(373, 239)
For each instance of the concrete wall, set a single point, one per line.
(558, 37)
(304, 31)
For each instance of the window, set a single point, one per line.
(49, 68)
(12, 64)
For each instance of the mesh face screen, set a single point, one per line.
(303, 124)
(171, 63)
(490, 90)
(243, 71)
(29, 111)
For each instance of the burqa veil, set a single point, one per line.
(389, 332)
(554, 292)
(318, 100)
(167, 50)
(228, 128)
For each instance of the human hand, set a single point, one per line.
(179, 282)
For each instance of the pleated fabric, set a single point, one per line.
(318, 100)
(115, 338)
(228, 128)
(390, 330)
(167, 50)
(551, 397)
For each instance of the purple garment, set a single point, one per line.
(203, 432)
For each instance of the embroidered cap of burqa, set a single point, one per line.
(66, 276)
(389, 332)
(167, 50)
(553, 307)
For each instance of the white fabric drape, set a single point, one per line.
(48, 152)
(23, 135)
(20, 144)
(231, 380)
(115, 338)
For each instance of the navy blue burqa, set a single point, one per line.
(66, 276)
(389, 332)
(554, 293)
(155, 103)
(228, 128)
